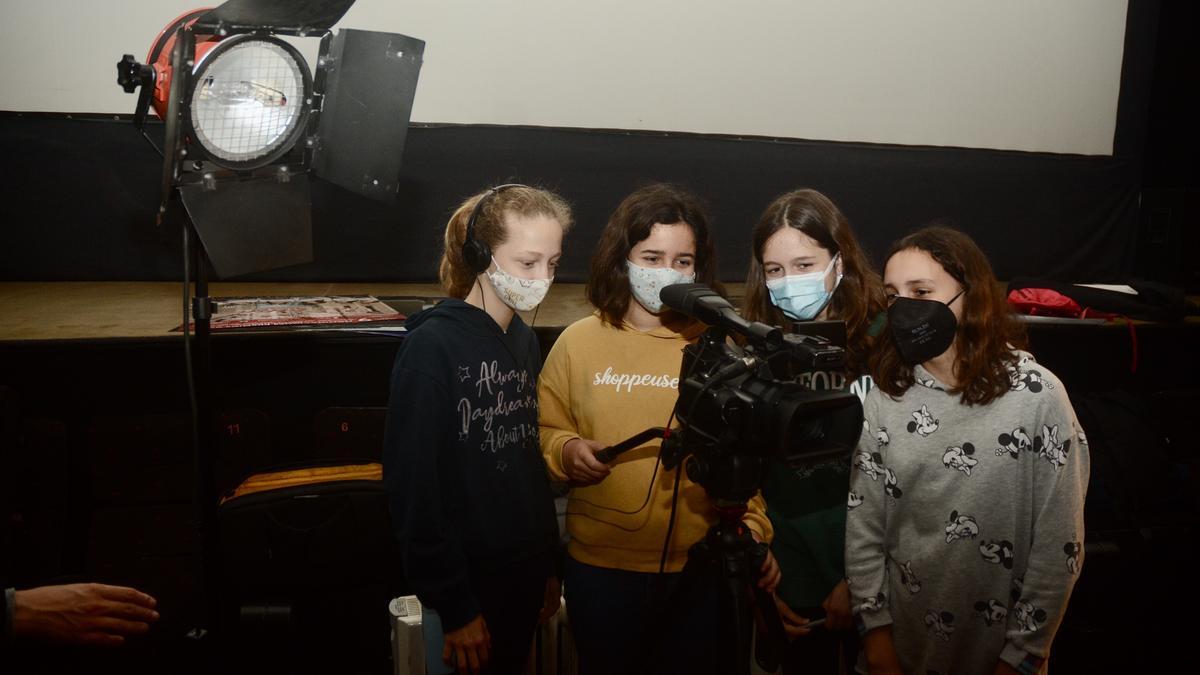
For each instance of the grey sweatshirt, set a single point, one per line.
(965, 524)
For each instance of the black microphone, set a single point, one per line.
(704, 304)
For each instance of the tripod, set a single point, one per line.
(729, 558)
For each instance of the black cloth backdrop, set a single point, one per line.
(79, 194)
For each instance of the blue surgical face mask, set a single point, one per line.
(802, 296)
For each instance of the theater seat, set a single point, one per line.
(310, 564)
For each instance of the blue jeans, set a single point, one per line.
(432, 635)
(630, 622)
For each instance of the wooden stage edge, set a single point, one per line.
(69, 310)
(101, 310)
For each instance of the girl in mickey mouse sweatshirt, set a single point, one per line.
(964, 535)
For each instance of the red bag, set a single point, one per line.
(1044, 302)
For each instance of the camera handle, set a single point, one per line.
(606, 455)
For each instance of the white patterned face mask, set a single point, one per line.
(520, 294)
(647, 282)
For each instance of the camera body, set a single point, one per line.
(740, 406)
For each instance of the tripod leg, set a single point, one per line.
(726, 562)
(771, 640)
(738, 613)
(738, 558)
(688, 633)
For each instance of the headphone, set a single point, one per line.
(477, 254)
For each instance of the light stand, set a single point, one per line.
(246, 127)
(198, 353)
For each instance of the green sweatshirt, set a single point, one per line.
(807, 508)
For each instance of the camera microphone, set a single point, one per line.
(705, 305)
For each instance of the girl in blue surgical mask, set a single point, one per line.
(806, 266)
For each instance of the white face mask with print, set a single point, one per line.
(647, 282)
(520, 294)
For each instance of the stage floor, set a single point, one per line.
(97, 310)
(118, 309)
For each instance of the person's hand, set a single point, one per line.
(793, 623)
(580, 463)
(769, 574)
(837, 608)
(467, 649)
(881, 652)
(551, 601)
(1003, 668)
(89, 614)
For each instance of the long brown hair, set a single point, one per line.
(987, 330)
(455, 276)
(859, 296)
(660, 203)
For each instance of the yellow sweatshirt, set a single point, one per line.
(606, 384)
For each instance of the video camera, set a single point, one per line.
(738, 408)
(735, 412)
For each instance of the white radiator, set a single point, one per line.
(552, 651)
(408, 649)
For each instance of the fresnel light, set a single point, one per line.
(247, 121)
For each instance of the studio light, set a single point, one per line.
(249, 100)
(247, 107)
(246, 125)
(247, 121)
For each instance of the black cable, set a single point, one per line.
(589, 516)
(362, 331)
(653, 477)
(649, 492)
(696, 400)
(520, 363)
(187, 338)
(152, 145)
(662, 563)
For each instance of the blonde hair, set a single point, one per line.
(453, 273)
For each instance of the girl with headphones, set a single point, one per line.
(469, 495)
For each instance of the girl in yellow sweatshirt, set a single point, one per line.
(608, 377)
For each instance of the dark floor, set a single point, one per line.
(96, 482)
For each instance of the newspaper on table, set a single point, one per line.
(300, 310)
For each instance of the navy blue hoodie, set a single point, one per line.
(468, 488)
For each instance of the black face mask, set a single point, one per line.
(922, 329)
